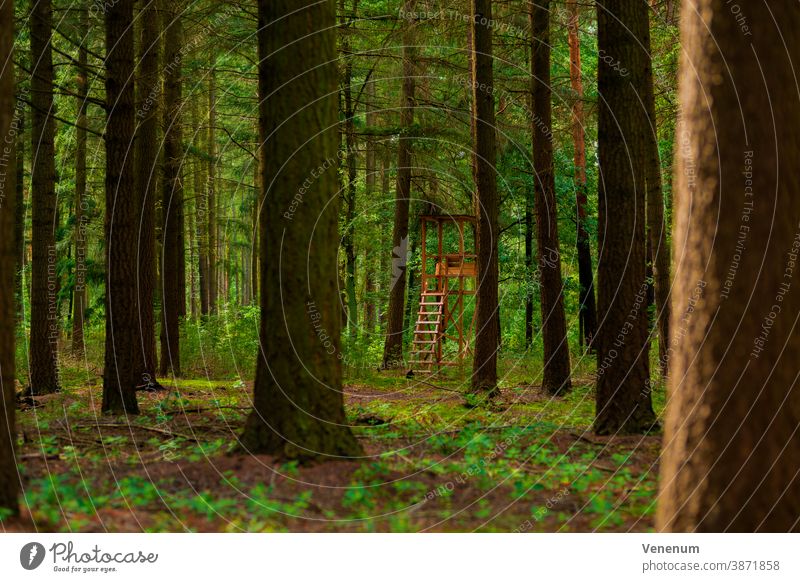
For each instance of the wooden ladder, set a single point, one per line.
(425, 349)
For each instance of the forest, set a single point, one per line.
(399, 266)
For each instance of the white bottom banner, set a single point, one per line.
(390, 557)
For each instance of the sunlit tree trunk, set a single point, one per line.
(731, 440)
(588, 306)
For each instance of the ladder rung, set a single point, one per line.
(424, 341)
(426, 331)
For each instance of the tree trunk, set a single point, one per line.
(9, 477)
(254, 249)
(588, 306)
(213, 259)
(656, 226)
(393, 348)
(122, 338)
(79, 295)
(172, 196)
(19, 221)
(624, 403)
(201, 211)
(44, 281)
(147, 147)
(299, 408)
(487, 320)
(731, 439)
(556, 376)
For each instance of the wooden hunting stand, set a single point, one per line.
(448, 278)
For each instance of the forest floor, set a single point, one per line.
(435, 462)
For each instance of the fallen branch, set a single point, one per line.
(147, 428)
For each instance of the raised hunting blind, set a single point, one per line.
(446, 315)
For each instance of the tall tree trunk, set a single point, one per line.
(79, 294)
(147, 148)
(369, 186)
(299, 408)
(201, 211)
(122, 338)
(9, 476)
(393, 347)
(19, 221)
(254, 249)
(350, 199)
(529, 273)
(656, 226)
(588, 306)
(556, 377)
(487, 320)
(213, 257)
(172, 195)
(44, 281)
(624, 403)
(731, 435)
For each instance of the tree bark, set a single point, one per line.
(556, 375)
(9, 477)
(656, 226)
(201, 211)
(19, 222)
(44, 280)
(120, 374)
(79, 294)
(147, 148)
(731, 437)
(299, 408)
(487, 320)
(623, 400)
(172, 196)
(393, 347)
(588, 306)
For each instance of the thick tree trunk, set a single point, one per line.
(44, 281)
(487, 320)
(255, 248)
(147, 148)
(556, 376)
(730, 460)
(79, 294)
(120, 374)
(172, 196)
(624, 403)
(656, 226)
(393, 347)
(588, 306)
(213, 256)
(9, 478)
(299, 408)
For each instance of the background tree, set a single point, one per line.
(121, 342)
(586, 302)
(731, 438)
(45, 331)
(172, 195)
(487, 320)
(556, 375)
(393, 346)
(624, 402)
(147, 166)
(298, 403)
(9, 479)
